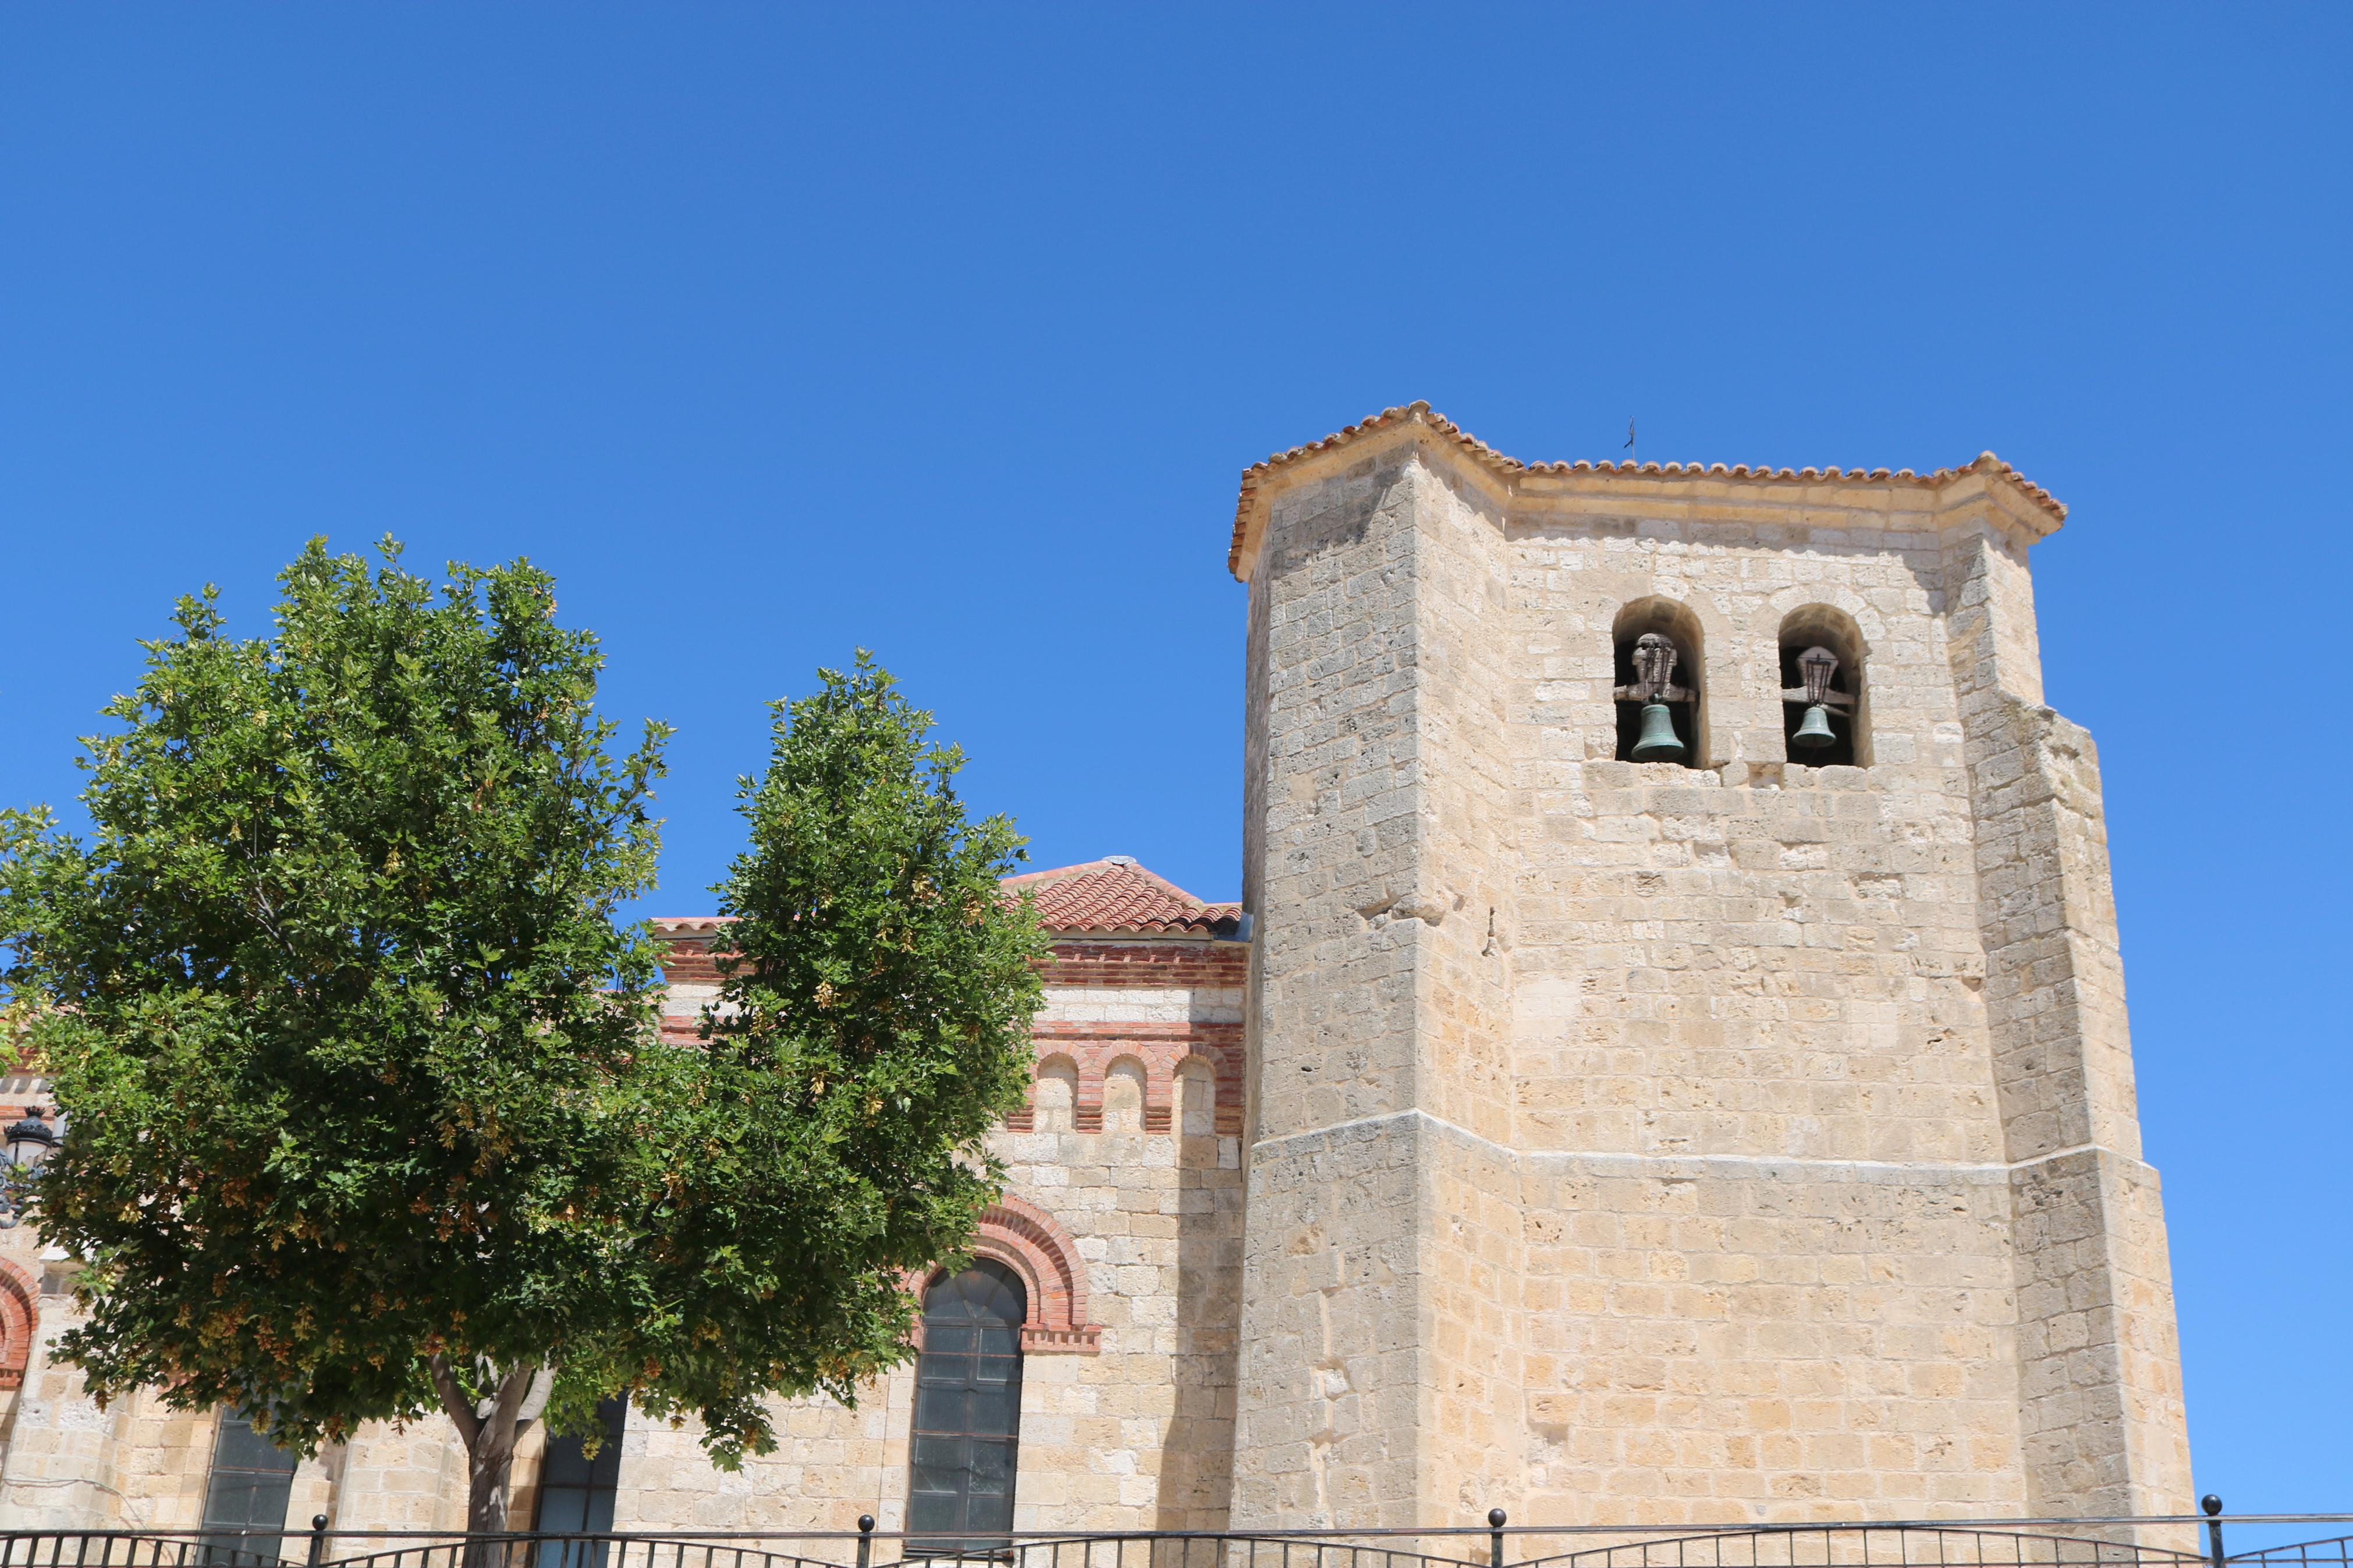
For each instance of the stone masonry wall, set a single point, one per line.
(1813, 1186)
(1126, 1171)
(1122, 1149)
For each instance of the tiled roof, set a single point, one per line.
(1496, 462)
(1114, 896)
(1111, 897)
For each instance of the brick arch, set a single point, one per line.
(19, 1313)
(1091, 1060)
(1108, 1063)
(1033, 1244)
(1026, 1118)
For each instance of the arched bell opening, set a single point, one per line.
(1824, 723)
(1660, 691)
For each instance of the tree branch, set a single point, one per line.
(511, 1390)
(454, 1400)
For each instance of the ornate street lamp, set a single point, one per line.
(29, 1141)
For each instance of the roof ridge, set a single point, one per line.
(1419, 411)
(1111, 896)
(1103, 864)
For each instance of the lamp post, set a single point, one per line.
(29, 1141)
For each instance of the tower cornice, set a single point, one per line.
(1678, 488)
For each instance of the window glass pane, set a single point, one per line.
(576, 1492)
(992, 1469)
(247, 1489)
(967, 1412)
(995, 1409)
(939, 1409)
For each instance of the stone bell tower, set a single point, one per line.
(1742, 1135)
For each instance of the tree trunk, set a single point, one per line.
(490, 1472)
(489, 1430)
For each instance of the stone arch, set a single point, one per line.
(1780, 604)
(1681, 624)
(20, 1313)
(1033, 1244)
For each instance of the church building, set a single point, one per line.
(1668, 1064)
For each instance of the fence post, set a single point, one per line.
(865, 1540)
(1496, 1517)
(318, 1539)
(2214, 1506)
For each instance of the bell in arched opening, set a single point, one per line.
(1818, 709)
(1650, 699)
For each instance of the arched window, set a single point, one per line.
(1659, 693)
(19, 1311)
(576, 1493)
(251, 1481)
(967, 1412)
(1822, 689)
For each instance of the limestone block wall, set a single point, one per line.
(1719, 1338)
(1695, 1144)
(1377, 856)
(67, 1465)
(1133, 1431)
(1123, 1216)
(1127, 1165)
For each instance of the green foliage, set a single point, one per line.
(364, 1080)
(873, 1026)
(335, 1001)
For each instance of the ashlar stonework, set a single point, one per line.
(1653, 1142)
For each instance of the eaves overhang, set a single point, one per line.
(2037, 511)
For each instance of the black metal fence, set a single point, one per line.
(2173, 1542)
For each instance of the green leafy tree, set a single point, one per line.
(369, 1114)
(872, 1027)
(335, 1001)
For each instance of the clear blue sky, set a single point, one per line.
(947, 332)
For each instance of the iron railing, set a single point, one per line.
(2170, 1542)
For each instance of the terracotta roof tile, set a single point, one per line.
(1116, 896)
(1111, 897)
(1497, 463)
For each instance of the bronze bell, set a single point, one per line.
(1658, 742)
(1814, 729)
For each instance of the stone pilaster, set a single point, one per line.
(1380, 1380)
(2103, 1427)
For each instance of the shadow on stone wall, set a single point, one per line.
(1197, 1462)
